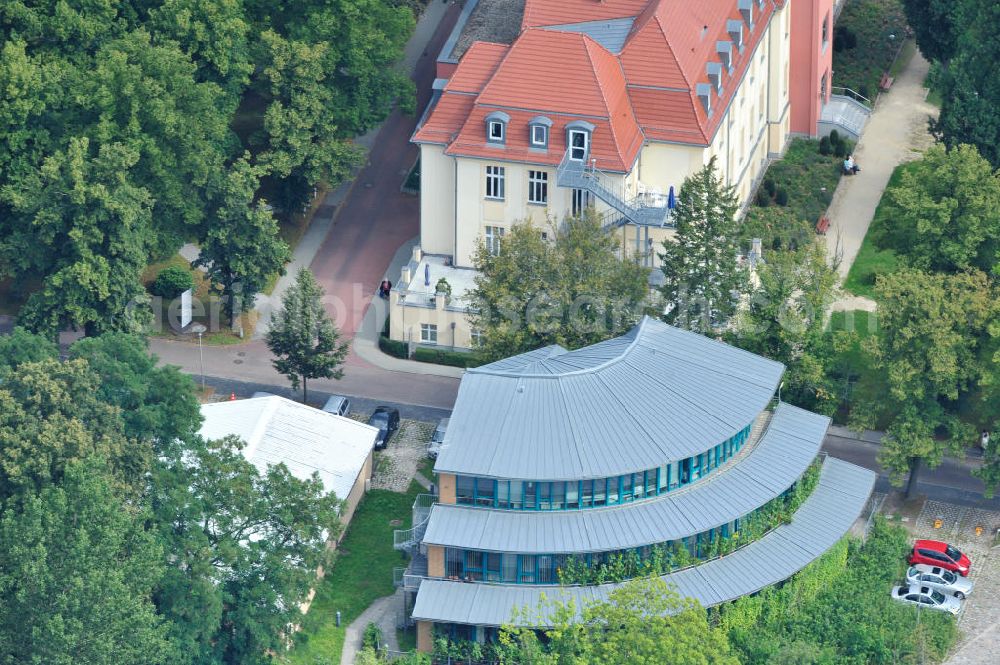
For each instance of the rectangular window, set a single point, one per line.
(503, 494)
(494, 236)
(558, 495)
(664, 478)
(573, 495)
(485, 491)
(580, 201)
(428, 333)
(510, 568)
(476, 337)
(496, 131)
(600, 491)
(545, 496)
(495, 182)
(546, 572)
(614, 491)
(627, 487)
(651, 482)
(696, 467)
(474, 565)
(539, 135)
(638, 485)
(538, 187)
(452, 562)
(464, 487)
(578, 144)
(826, 30)
(587, 494)
(685, 474)
(529, 495)
(527, 564)
(516, 497)
(493, 566)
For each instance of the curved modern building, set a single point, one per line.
(655, 441)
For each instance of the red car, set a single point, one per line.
(937, 553)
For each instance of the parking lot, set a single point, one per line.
(979, 621)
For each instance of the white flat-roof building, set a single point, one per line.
(277, 430)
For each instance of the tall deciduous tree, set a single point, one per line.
(571, 290)
(945, 211)
(76, 571)
(242, 248)
(970, 86)
(702, 279)
(937, 25)
(303, 338)
(932, 325)
(785, 320)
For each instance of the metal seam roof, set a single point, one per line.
(819, 523)
(730, 493)
(680, 393)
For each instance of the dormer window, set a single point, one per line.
(715, 75)
(704, 92)
(725, 51)
(746, 10)
(496, 127)
(578, 135)
(735, 30)
(538, 132)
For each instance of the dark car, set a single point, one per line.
(943, 555)
(386, 419)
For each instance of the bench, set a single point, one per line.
(886, 82)
(822, 225)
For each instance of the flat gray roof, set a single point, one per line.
(754, 477)
(611, 33)
(820, 522)
(654, 395)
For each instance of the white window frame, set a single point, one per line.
(572, 147)
(496, 175)
(475, 337)
(539, 141)
(428, 333)
(493, 238)
(538, 187)
(489, 131)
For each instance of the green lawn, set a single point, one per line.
(360, 573)
(871, 22)
(872, 259)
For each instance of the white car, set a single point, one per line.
(926, 597)
(940, 579)
(434, 447)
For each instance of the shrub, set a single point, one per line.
(763, 198)
(824, 146)
(835, 138)
(841, 148)
(393, 347)
(171, 282)
(444, 357)
(372, 637)
(781, 197)
(769, 186)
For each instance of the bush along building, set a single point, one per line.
(661, 452)
(610, 104)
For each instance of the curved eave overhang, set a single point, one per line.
(792, 440)
(819, 523)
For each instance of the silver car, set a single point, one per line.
(940, 579)
(434, 447)
(338, 405)
(926, 597)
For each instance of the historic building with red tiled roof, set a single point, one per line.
(603, 103)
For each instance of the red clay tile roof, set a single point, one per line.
(561, 12)
(649, 90)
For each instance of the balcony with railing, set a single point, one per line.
(645, 210)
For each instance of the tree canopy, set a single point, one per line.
(702, 280)
(569, 289)
(146, 544)
(124, 124)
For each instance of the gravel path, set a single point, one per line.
(397, 464)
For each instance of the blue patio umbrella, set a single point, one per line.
(427, 274)
(671, 198)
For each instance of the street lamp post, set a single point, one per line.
(200, 329)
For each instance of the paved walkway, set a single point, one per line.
(385, 612)
(896, 133)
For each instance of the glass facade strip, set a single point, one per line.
(595, 492)
(512, 568)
